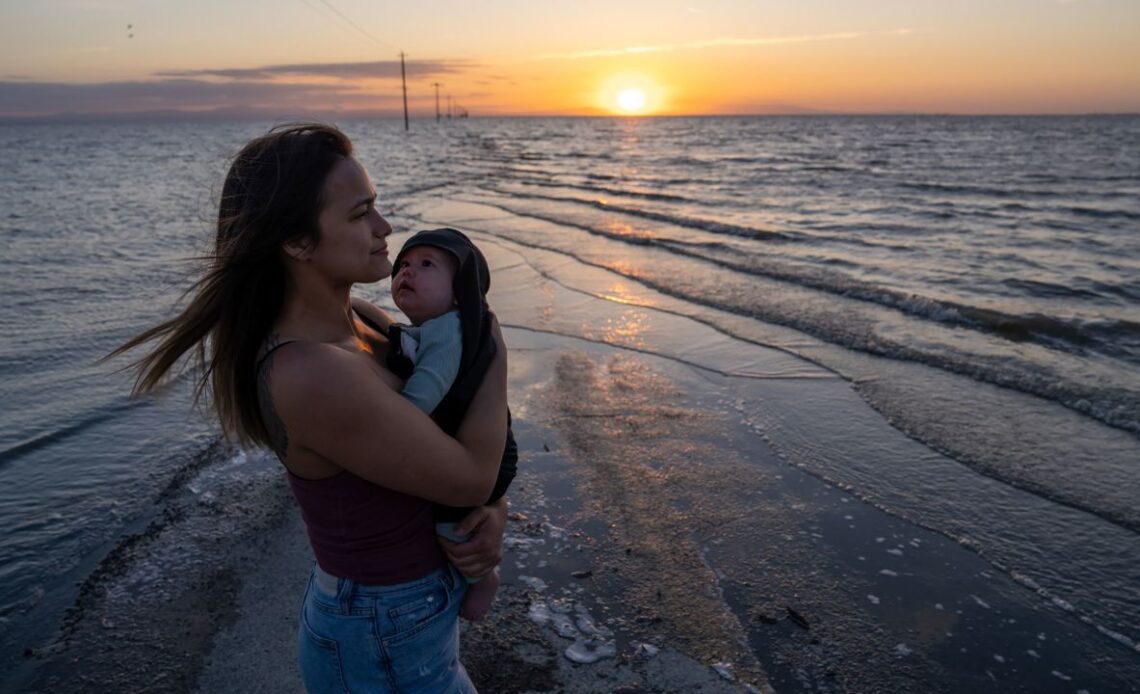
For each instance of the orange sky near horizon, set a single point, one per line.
(506, 57)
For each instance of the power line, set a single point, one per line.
(364, 32)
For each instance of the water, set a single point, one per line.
(975, 280)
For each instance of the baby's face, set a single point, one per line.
(422, 285)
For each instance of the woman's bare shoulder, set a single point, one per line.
(307, 368)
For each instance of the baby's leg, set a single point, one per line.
(480, 596)
(480, 591)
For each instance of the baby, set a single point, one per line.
(440, 283)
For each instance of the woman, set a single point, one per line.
(293, 367)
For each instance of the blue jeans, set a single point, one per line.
(401, 638)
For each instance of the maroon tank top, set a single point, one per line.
(362, 531)
(365, 532)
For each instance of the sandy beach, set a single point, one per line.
(658, 541)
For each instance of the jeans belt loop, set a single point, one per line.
(345, 594)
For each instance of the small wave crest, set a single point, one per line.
(670, 218)
(64, 431)
(606, 190)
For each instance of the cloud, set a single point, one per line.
(715, 43)
(269, 87)
(29, 99)
(380, 69)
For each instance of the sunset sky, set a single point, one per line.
(552, 57)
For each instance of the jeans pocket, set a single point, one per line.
(319, 657)
(419, 611)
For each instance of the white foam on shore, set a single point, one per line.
(724, 670)
(586, 651)
(591, 641)
(524, 544)
(542, 614)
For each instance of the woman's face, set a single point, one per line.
(353, 245)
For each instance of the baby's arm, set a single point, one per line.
(437, 361)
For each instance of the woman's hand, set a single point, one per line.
(483, 552)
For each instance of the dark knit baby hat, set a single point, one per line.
(466, 253)
(470, 284)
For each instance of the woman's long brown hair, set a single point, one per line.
(272, 194)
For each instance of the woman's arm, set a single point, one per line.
(335, 406)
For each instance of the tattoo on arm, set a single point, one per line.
(278, 438)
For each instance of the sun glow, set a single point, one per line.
(631, 94)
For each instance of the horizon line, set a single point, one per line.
(243, 115)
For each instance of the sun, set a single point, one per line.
(631, 100)
(631, 94)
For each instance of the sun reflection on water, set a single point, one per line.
(623, 293)
(628, 329)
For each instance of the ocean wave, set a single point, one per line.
(1110, 337)
(97, 414)
(1115, 338)
(574, 154)
(408, 191)
(639, 194)
(61, 433)
(675, 219)
(759, 159)
(1129, 291)
(1039, 288)
(686, 161)
(973, 189)
(1100, 213)
(833, 168)
(1116, 407)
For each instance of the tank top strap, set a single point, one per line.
(270, 351)
(365, 319)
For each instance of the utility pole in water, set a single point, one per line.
(404, 83)
(437, 85)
